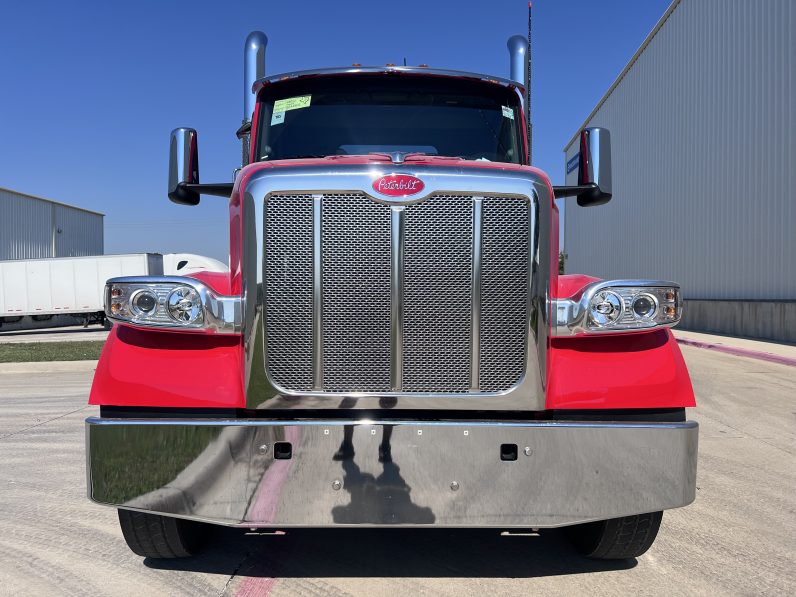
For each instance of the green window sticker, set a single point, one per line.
(508, 112)
(290, 103)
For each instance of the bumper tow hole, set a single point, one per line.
(508, 451)
(283, 450)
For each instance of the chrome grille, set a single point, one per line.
(288, 290)
(339, 320)
(504, 292)
(356, 293)
(438, 254)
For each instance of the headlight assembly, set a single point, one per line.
(172, 303)
(615, 306)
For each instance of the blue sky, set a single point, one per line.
(90, 90)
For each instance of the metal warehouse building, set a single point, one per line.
(34, 228)
(703, 134)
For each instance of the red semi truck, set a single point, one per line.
(393, 345)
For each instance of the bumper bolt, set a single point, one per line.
(337, 484)
(455, 486)
(263, 449)
(528, 451)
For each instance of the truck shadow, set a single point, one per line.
(458, 553)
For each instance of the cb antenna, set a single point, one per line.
(528, 90)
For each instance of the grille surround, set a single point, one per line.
(418, 252)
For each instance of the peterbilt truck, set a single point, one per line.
(393, 345)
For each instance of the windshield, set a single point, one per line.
(361, 114)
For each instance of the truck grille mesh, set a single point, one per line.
(438, 257)
(355, 294)
(504, 292)
(288, 290)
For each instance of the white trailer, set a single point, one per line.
(42, 288)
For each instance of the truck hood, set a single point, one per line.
(411, 160)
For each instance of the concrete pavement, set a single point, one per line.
(62, 334)
(739, 537)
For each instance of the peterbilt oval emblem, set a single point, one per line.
(398, 185)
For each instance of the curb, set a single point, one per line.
(740, 352)
(48, 367)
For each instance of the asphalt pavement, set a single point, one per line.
(739, 537)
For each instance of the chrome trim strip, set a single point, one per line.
(564, 472)
(475, 311)
(317, 293)
(221, 314)
(396, 297)
(466, 424)
(570, 315)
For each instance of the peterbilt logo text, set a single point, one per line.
(398, 185)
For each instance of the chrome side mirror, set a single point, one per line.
(183, 166)
(594, 167)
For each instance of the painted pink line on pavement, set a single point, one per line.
(255, 586)
(740, 352)
(270, 489)
(264, 509)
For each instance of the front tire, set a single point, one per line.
(154, 536)
(617, 538)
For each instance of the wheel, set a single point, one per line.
(617, 538)
(154, 536)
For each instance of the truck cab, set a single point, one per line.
(393, 344)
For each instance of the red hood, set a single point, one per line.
(384, 159)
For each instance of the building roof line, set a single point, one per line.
(91, 211)
(625, 70)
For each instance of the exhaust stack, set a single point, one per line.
(520, 71)
(253, 69)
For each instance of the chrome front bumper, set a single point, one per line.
(448, 474)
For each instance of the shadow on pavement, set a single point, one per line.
(360, 553)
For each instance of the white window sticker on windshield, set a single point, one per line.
(508, 112)
(277, 118)
(290, 103)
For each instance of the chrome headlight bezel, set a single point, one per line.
(210, 313)
(574, 316)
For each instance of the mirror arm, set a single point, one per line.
(245, 129)
(562, 191)
(188, 193)
(222, 189)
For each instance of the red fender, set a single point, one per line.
(624, 371)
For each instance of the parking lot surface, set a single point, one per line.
(72, 333)
(739, 537)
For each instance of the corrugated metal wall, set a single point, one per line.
(703, 128)
(34, 228)
(77, 233)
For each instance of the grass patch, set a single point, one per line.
(120, 456)
(24, 352)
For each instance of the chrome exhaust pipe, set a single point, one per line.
(520, 71)
(253, 69)
(518, 46)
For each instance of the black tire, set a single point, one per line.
(154, 536)
(617, 538)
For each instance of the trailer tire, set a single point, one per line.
(617, 538)
(154, 536)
